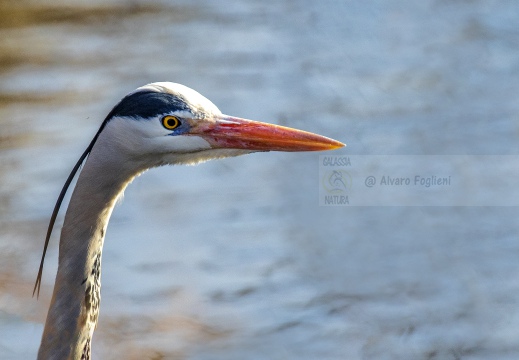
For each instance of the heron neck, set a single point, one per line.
(74, 307)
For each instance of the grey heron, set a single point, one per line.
(158, 124)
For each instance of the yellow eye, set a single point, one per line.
(170, 122)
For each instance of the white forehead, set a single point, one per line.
(190, 96)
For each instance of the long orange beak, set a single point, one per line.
(235, 133)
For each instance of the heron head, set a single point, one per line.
(168, 123)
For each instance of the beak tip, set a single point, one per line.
(334, 145)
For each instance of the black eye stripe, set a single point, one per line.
(147, 104)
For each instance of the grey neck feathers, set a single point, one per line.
(74, 308)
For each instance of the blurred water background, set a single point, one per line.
(235, 259)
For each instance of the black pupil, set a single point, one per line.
(171, 122)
